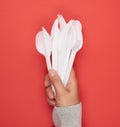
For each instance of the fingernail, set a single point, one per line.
(50, 95)
(51, 72)
(53, 103)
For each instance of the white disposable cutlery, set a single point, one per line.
(62, 45)
(43, 45)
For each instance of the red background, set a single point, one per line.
(22, 69)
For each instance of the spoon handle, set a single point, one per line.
(48, 62)
(69, 67)
(64, 66)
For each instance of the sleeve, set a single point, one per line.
(68, 116)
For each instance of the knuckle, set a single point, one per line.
(55, 79)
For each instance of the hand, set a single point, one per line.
(65, 96)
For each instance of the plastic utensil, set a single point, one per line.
(63, 47)
(43, 45)
(76, 46)
(57, 28)
(70, 39)
(64, 43)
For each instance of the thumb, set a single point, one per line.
(56, 82)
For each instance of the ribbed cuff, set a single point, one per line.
(69, 116)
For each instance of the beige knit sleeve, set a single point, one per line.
(70, 116)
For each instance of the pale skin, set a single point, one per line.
(65, 96)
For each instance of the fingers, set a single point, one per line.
(64, 96)
(47, 81)
(51, 102)
(49, 92)
(56, 82)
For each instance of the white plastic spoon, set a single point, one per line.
(54, 35)
(63, 48)
(48, 47)
(43, 46)
(76, 46)
(70, 40)
(40, 46)
(57, 28)
(61, 22)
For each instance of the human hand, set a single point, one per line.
(65, 96)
